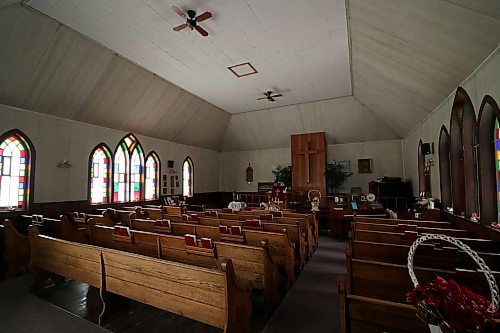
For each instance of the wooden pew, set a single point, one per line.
(408, 227)
(280, 248)
(360, 314)
(103, 219)
(16, 249)
(293, 231)
(419, 223)
(211, 296)
(252, 263)
(477, 244)
(427, 255)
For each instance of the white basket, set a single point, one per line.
(495, 295)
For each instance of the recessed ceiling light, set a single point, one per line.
(243, 69)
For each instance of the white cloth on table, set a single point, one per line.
(236, 206)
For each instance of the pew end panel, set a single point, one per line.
(16, 249)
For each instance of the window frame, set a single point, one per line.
(109, 189)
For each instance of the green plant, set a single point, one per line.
(335, 177)
(283, 175)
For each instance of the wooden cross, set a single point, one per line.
(307, 154)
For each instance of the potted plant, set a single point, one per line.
(283, 175)
(335, 177)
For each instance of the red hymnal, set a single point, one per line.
(190, 240)
(266, 217)
(122, 231)
(162, 223)
(194, 217)
(207, 243)
(236, 230)
(277, 214)
(223, 229)
(253, 223)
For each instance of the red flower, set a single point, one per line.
(459, 308)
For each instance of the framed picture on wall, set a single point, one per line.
(176, 183)
(365, 165)
(164, 191)
(172, 181)
(165, 179)
(345, 165)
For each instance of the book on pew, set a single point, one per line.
(253, 223)
(190, 240)
(122, 231)
(193, 217)
(163, 223)
(236, 230)
(266, 217)
(277, 214)
(207, 243)
(223, 229)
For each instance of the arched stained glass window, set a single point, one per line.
(497, 163)
(15, 170)
(152, 176)
(100, 175)
(187, 177)
(128, 170)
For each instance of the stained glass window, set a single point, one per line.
(497, 163)
(187, 177)
(152, 176)
(128, 171)
(15, 171)
(100, 175)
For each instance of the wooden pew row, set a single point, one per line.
(252, 263)
(294, 232)
(427, 255)
(391, 282)
(360, 314)
(477, 244)
(408, 227)
(418, 223)
(309, 218)
(211, 296)
(280, 248)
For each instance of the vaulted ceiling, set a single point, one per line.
(119, 64)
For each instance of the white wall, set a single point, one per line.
(387, 159)
(56, 139)
(485, 80)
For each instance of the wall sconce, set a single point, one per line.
(64, 164)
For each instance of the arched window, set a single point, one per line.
(489, 160)
(128, 170)
(16, 165)
(187, 177)
(469, 140)
(421, 169)
(100, 174)
(152, 176)
(444, 167)
(456, 154)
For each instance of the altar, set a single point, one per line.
(341, 214)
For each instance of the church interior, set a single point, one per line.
(250, 166)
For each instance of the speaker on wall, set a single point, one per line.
(427, 148)
(170, 164)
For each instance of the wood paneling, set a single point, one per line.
(309, 162)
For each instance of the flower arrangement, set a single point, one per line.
(454, 308)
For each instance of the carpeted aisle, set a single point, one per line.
(312, 305)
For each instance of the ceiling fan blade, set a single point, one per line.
(180, 27)
(279, 95)
(179, 11)
(270, 99)
(261, 98)
(203, 17)
(202, 31)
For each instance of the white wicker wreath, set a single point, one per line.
(495, 295)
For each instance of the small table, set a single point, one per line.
(237, 206)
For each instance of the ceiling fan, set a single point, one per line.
(192, 20)
(269, 96)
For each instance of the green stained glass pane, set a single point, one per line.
(136, 186)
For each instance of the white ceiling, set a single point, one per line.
(299, 48)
